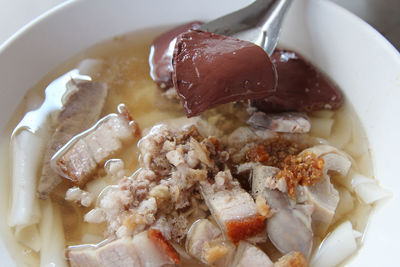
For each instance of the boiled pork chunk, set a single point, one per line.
(81, 109)
(80, 158)
(289, 122)
(232, 207)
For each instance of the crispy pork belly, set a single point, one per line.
(232, 207)
(248, 255)
(289, 122)
(80, 158)
(81, 109)
(147, 249)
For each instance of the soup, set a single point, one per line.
(124, 69)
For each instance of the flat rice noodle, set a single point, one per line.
(336, 247)
(27, 149)
(52, 237)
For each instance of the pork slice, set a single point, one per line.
(248, 255)
(153, 250)
(325, 199)
(234, 210)
(81, 109)
(80, 158)
(120, 252)
(288, 122)
(146, 249)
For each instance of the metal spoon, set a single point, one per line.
(259, 23)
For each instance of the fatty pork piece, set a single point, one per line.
(80, 158)
(232, 207)
(83, 103)
(206, 243)
(289, 228)
(147, 249)
(288, 122)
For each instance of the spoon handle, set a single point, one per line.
(259, 23)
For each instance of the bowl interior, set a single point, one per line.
(353, 54)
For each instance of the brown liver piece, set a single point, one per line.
(161, 54)
(211, 69)
(301, 87)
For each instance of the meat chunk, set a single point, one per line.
(288, 122)
(201, 232)
(80, 157)
(289, 228)
(248, 255)
(117, 253)
(206, 243)
(232, 207)
(265, 177)
(205, 128)
(81, 109)
(146, 249)
(325, 198)
(244, 135)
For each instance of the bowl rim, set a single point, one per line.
(70, 3)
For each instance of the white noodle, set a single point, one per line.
(27, 149)
(341, 132)
(28, 236)
(336, 247)
(321, 127)
(368, 190)
(52, 237)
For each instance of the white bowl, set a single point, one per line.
(353, 54)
